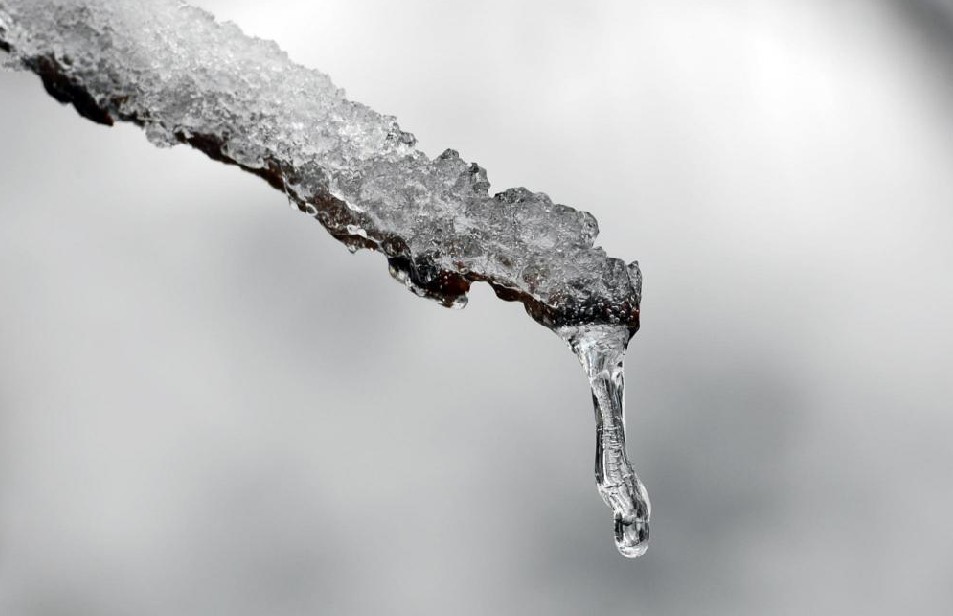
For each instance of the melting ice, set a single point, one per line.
(185, 78)
(600, 349)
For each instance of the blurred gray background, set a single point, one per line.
(208, 406)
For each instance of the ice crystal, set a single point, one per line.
(186, 78)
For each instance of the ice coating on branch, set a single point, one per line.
(186, 78)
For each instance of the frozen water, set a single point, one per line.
(600, 350)
(185, 78)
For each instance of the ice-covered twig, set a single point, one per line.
(185, 78)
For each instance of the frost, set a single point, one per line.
(185, 78)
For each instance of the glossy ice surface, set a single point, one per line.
(186, 78)
(600, 350)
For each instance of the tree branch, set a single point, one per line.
(184, 78)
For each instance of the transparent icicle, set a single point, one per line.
(600, 350)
